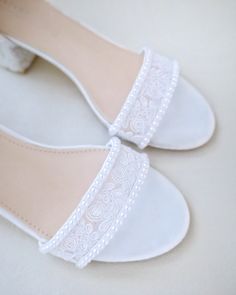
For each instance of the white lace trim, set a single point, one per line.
(103, 208)
(148, 100)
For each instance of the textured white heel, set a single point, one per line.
(13, 57)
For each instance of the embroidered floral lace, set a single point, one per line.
(102, 210)
(148, 100)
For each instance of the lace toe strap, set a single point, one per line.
(103, 208)
(148, 100)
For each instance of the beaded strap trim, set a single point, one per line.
(148, 100)
(103, 208)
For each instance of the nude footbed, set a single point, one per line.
(139, 97)
(87, 203)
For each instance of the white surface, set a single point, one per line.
(189, 121)
(158, 222)
(201, 35)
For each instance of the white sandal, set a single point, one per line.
(142, 117)
(73, 201)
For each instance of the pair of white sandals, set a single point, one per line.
(102, 203)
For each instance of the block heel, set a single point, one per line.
(13, 57)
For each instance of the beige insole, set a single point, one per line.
(42, 186)
(106, 71)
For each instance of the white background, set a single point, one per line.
(45, 106)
